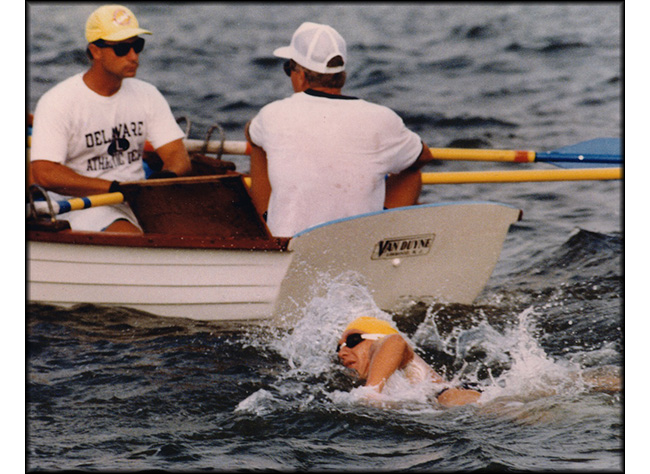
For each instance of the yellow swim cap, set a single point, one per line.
(372, 325)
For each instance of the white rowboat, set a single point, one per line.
(215, 260)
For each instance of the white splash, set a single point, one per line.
(309, 348)
(532, 373)
(528, 372)
(258, 403)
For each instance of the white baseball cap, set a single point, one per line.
(313, 45)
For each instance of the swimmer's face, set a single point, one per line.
(357, 357)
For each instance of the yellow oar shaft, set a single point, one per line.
(96, 200)
(515, 176)
(231, 147)
(520, 176)
(76, 204)
(511, 156)
(242, 148)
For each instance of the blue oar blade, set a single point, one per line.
(597, 146)
(599, 152)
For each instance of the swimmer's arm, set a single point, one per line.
(389, 354)
(453, 397)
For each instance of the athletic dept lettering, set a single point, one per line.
(104, 162)
(117, 153)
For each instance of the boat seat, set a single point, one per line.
(217, 206)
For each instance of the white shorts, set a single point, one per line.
(96, 219)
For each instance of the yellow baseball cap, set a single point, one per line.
(372, 325)
(112, 23)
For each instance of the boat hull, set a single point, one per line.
(436, 252)
(441, 252)
(204, 283)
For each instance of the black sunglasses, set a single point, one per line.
(122, 49)
(356, 338)
(288, 67)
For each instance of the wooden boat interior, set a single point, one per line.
(210, 209)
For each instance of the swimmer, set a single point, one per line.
(375, 350)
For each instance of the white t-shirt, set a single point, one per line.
(101, 137)
(328, 157)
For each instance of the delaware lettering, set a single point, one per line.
(123, 130)
(119, 151)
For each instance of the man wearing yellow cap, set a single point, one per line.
(89, 131)
(375, 350)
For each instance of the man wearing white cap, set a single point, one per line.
(89, 131)
(319, 155)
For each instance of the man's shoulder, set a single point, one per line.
(353, 108)
(283, 101)
(378, 111)
(277, 106)
(304, 98)
(71, 83)
(138, 85)
(373, 105)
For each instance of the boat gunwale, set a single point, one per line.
(158, 240)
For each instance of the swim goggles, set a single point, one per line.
(122, 49)
(355, 338)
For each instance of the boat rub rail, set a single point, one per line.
(159, 240)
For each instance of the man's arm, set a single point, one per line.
(260, 190)
(175, 157)
(61, 179)
(404, 188)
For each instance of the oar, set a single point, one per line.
(522, 176)
(229, 147)
(515, 176)
(459, 177)
(602, 151)
(75, 204)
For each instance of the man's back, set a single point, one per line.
(328, 156)
(319, 155)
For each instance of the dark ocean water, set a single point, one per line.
(113, 389)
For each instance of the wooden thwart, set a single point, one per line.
(218, 206)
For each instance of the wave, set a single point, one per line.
(453, 63)
(68, 57)
(585, 257)
(548, 46)
(474, 32)
(578, 290)
(459, 121)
